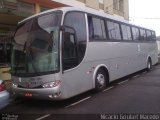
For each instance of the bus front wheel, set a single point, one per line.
(100, 80)
(149, 64)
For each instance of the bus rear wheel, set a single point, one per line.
(100, 80)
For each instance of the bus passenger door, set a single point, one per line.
(74, 74)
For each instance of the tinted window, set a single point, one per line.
(142, 34)
(153, 36)
(149, 35)
(135, 33)
(76, 20)
(126, 32)
(96, 28)
(113, 30)
(69, 46)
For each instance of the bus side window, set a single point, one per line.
(153, 36)
(96, 28)
(113, 30)
(149, 35)
(126, 32)
(142, 34)
(135, 33)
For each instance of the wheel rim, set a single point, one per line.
(100, 80)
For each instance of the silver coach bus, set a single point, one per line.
(67, 51)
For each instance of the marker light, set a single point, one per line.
(52, 84)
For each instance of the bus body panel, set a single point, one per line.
(77, 80)
(121, 58)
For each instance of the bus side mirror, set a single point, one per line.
(67, 29)
(62, 28)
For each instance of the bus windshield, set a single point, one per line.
(36, 44)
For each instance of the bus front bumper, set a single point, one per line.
(44, 93)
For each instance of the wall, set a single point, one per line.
(108, 6)
(93, 4)
(101, 5)
(126, 9)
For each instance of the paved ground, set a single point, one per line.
(135, 94)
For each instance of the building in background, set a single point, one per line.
(119, 8)
(13, 11)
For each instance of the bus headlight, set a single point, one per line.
(14, 85)
(52, 84)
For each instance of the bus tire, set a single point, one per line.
(100, 80)
(149, 64)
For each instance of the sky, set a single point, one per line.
(145, 13)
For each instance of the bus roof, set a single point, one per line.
(86, 10)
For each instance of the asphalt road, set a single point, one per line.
(137, 94)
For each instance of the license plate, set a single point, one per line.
(28, 94)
